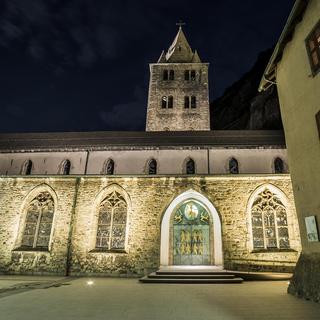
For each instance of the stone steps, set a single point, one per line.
(205, 277)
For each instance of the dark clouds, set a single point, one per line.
(78, 64)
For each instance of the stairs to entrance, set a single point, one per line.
(191, 276)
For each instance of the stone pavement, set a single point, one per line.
(115, 298)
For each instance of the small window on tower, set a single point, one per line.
(165, 75)
(313, 48)
(233, 166)
(193, 102)
(171, 75)
(170, 102)
(164, 102)
(193, 75)
(186, 102)
(187, 75)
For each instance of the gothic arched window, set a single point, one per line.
(171, 75)
(27, 167)
(190, 167)
(111, 231)
(66, 166)
(109, 168)
(38, 224)
(269, 222)
(233, 166)
(278, 165)
(152, 166)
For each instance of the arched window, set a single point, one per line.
(27, 167)
(233, 166)
(66, 166)
(171, 75)
(164, 100)
(269, 222)
(193, 102)
(109, 168)
(193, 75)
(170, 102)
(152, 166)
(111, 231)
(186, 102)
(165, 75)
(190, 167)
(278, 165)
(38, 224)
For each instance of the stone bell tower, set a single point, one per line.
(178, 90)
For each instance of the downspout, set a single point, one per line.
(71, 228)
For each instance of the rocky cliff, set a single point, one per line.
(243, 107)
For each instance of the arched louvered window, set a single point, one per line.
(193, 75)
(193, 102)
(171, 75)
(233, 166)
(27, 167)
(164, 101)
(152, 166)
(278, 165)
(190, 167)
(186, 102)
(109, 168)
(38, 223)
(165, 74)
(112, 219)
(269, 222)
(66, 166)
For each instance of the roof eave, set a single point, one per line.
(269, 75)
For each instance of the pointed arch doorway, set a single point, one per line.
(191, 232)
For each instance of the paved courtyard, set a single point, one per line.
(109, 298)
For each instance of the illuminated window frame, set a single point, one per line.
(313, 48)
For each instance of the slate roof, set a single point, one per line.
(105, 140)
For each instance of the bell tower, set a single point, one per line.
(178, 97)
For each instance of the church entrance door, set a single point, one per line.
(191, 235)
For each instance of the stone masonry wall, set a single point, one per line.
(178, 118)
(147, 197)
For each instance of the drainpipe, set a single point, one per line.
(71, 228)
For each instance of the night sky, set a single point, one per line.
(82, 65)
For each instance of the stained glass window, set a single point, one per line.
(269, 222)
(112, 219)
(38, 223)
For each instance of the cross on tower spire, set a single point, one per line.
(180, 24)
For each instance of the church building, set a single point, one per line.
(128, 203)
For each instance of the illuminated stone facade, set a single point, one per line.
(72, 247)
(127, 203)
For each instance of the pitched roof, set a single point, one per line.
(131, 140)
(180, 51)
(296, 14)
